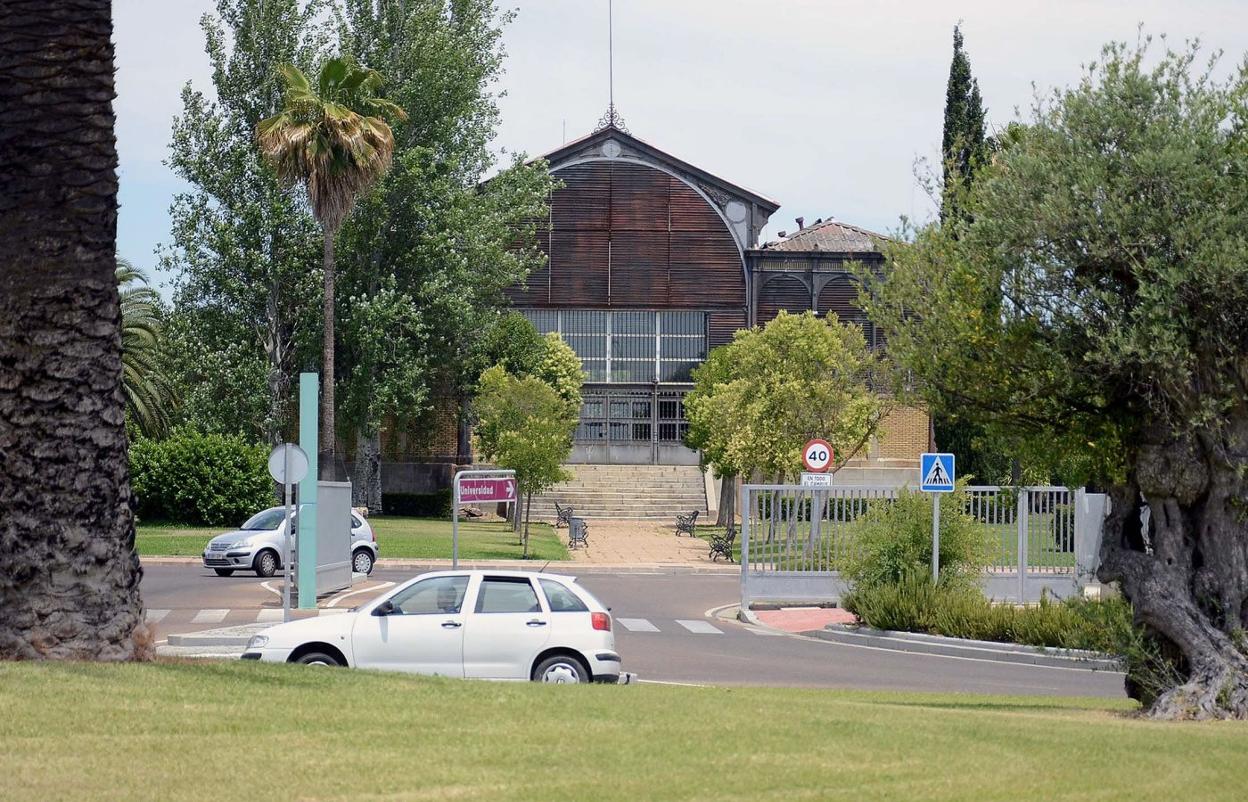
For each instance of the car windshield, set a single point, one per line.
(269, 519)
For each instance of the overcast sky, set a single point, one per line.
(822, 105)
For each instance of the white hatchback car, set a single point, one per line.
(509, 625)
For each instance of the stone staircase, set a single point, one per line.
(626, 491)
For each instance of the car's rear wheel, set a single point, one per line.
(362, 561)
(561, 670)
(266, 564)
(224, 571)
(316, 659)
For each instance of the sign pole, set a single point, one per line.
(455, 524)
(286, 554)
(935, 538)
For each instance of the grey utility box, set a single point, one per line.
(333, 537)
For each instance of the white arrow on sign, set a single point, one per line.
(511, 489)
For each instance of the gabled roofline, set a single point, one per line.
(611, 132)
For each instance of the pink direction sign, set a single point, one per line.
(473, 490)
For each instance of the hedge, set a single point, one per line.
(200, 479)
(417, 505)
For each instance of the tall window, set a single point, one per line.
(629, 347)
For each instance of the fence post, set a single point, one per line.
(745, 511)
(1020, 515)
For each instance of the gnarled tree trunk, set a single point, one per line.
(366, 485)
(69, 586)
(726, 515)
(1186, 575)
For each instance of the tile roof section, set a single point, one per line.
(830, 235)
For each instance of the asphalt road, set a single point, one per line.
(686, 646)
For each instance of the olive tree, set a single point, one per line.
(1094, 301)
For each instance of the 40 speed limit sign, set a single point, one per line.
(817, 456)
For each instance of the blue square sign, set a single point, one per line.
(936, 473)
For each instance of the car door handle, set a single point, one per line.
(536, 623)
(451, 625)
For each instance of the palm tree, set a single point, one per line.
(149, 396)
(332, 139)
(69, 588)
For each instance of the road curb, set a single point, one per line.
(919, 643)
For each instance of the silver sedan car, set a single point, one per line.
(257, 545)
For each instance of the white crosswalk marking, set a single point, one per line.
(637, 625)
(155, 615)
(265, 616)
(699, 627)
(210, 616)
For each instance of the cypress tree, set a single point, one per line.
(963, 142)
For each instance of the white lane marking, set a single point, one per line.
(334, 601)
(269, 587)
(332, 611)
(699, 627)
(637, 625)
(155, 615)
(210, 616)
(668, 682)
(265, 616)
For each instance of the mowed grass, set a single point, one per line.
(430, 538)
(173, 731)
(423, 538)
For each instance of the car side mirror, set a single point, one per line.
(385, 608)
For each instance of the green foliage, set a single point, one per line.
(1097, 293)
(148, 392)
(200, 479)
(561, 369)
(514, 343)
(525, 425)
(759, 399)
(418, 505)
(962, 143)
(242, 249)
(894, 540)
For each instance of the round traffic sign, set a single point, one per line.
(817, 456)
(288, 454)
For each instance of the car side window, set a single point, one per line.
(561, 599)
(436, 595)
(504, 594)
(356, 522)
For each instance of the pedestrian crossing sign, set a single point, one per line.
(936, 473)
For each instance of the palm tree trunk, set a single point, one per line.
(328, 468)
(69, 587)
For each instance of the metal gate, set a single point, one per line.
(795, 540)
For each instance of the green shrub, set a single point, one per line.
(200, 479)
(894, 540)
(417, 505)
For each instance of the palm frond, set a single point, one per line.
(148, 393)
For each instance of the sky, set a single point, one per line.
(822, 105)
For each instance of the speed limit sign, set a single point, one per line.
(817, 456)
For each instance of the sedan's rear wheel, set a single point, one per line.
(561, 670)
(362, 561)
(224, 571)
(316, 659)
(266, 564)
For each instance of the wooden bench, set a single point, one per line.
(721, 545)
(578, 533)
(686, 523)
(563, 515)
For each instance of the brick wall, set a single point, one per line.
(903, 434)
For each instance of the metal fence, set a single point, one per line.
(795, 541)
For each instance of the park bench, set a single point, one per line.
(578, 533)
(562, 515)
(686, 523)
(721, 545)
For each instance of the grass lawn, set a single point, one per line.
(424, 538)
(171, 731)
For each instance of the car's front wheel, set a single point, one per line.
(362, 561)
(266, 564)
(561, 670)
(316, 659)
(224, 571)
